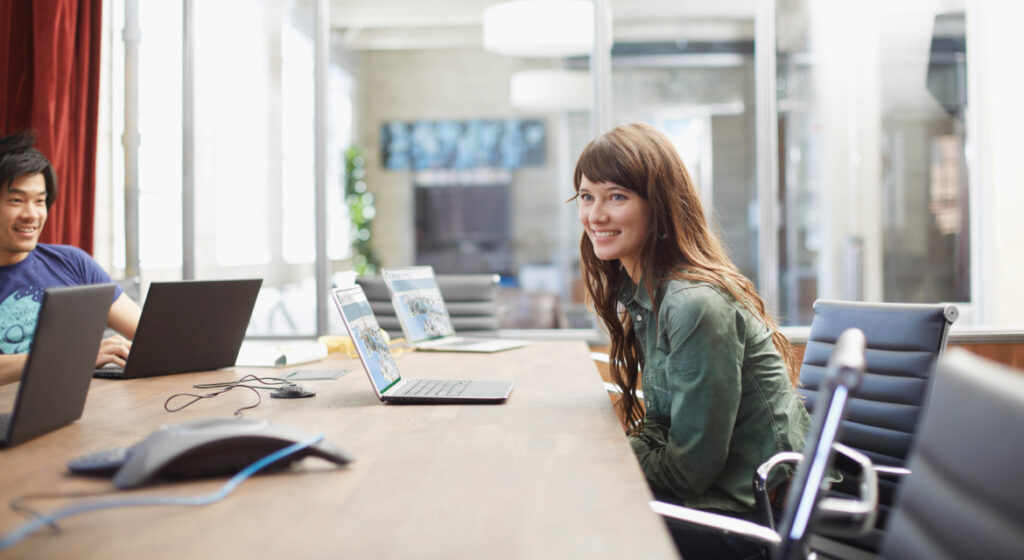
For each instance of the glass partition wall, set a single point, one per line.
(873, 173)
(690, 72)
(866, 105)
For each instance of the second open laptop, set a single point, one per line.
(372, 347)
(190, 325)
(58, 368)
(424, 317)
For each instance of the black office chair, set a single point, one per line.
(965, 496)
(471, 299)
(903, 343)
(806, 508)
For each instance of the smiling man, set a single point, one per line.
(28, 189)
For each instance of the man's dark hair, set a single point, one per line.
(18, 157)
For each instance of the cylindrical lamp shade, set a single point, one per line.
(553, 90)
(539, 28)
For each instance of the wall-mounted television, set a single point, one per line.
(465, 228)
(463, 144)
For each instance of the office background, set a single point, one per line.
(870, 151)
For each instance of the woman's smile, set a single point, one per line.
(615, 219)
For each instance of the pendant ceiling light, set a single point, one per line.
(539, 28)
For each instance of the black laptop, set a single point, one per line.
(59, 365)
(189, 325)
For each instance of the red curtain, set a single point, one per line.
(49, 83)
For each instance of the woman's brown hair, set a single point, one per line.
(679, 244)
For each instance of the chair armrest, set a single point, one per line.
(891, 472)
(737, 527)
(837, 516)
(844, 463)
(764, 470)
(851, 516)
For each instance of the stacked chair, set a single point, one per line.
(471, 300)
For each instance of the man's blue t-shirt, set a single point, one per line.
(22, 285)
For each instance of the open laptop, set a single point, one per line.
(190, 325)
(424, 316)
(59, 365)
(376, 357)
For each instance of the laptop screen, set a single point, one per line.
(418, 303)
(367, 337)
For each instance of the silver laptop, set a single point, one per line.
(424, 316)
(58, 369)
(389, 385)
(186, 326)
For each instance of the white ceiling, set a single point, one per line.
(448, 24)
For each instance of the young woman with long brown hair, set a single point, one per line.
(717, 375)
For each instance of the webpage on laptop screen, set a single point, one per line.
(373, 347)
(418, 301)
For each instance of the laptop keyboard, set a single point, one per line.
(435, 387)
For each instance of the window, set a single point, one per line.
(253, 156)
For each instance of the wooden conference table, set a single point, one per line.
(548, 474)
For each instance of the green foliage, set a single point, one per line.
(361, 212)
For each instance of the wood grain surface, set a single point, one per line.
(548, 474)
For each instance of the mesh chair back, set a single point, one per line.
(903, 343)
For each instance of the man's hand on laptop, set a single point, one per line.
(113, 350)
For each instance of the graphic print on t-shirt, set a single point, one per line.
(18, 316)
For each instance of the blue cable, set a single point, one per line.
(27, 529)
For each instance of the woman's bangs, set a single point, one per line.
(599, 164)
